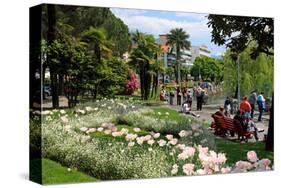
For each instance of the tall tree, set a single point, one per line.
(178, 39)
(51, 36)
(237, 32)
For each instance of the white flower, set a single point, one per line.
(151, 142)
(64, 120)
(150, 149)
(124, 131)
(130, 137)
(184, 133)
(162, 142)
(174, 171)
(140, 140)
(169, 136)
(46, 112)
(91, 130)
(62, 111)
(159, 113)
(88, 108)
(107, 131)
(131, 144)
(69, 169)
(100, 129)
(137, 129)
(109, 108)
(175, 166)
(167, 113)
(201, 172)
(96, 109)
(83, 129)
(67, 127)
(115, 134)
(156, 135)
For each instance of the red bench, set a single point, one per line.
(224, 124)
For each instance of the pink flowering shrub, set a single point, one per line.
(132, 83)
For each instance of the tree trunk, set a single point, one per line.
(270, 133)
(51, 36)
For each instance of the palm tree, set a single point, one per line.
(178, 39)
(96, 41)
(142, 57)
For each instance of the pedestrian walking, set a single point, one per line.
(179, 96)
(252, 101)
(199, 97)
(261, 105)
(189, 98)
(172, 94)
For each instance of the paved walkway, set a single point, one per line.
(208, 110)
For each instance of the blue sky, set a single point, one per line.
(161, 22)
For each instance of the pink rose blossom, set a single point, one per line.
(252, 156)
(188, 169)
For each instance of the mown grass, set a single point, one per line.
(55, 173)
(238, 151)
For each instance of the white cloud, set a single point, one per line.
(156, 26)
(195, 26)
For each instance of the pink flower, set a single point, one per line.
(189, 151)
(188, 169)
(243, 165)
(203, 149)
(252, 156)
(221, 159)
(264, 164)
(162, 142)
(225, 170)
(173, 141)
(180, 146)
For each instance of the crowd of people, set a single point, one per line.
(245, 113)
(184, 98)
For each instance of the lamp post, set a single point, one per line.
(238, 78)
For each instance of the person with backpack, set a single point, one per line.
(261, 105)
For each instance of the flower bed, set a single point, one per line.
(92, 139)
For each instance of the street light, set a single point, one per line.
(238, 78)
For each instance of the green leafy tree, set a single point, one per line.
(237, 32)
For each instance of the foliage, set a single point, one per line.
(210, 69)
(142, 57)
(255, 74)
(236, 32)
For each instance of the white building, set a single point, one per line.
(170, 53)
(198, 51)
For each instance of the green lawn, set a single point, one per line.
(55, 173)
(238, 151)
